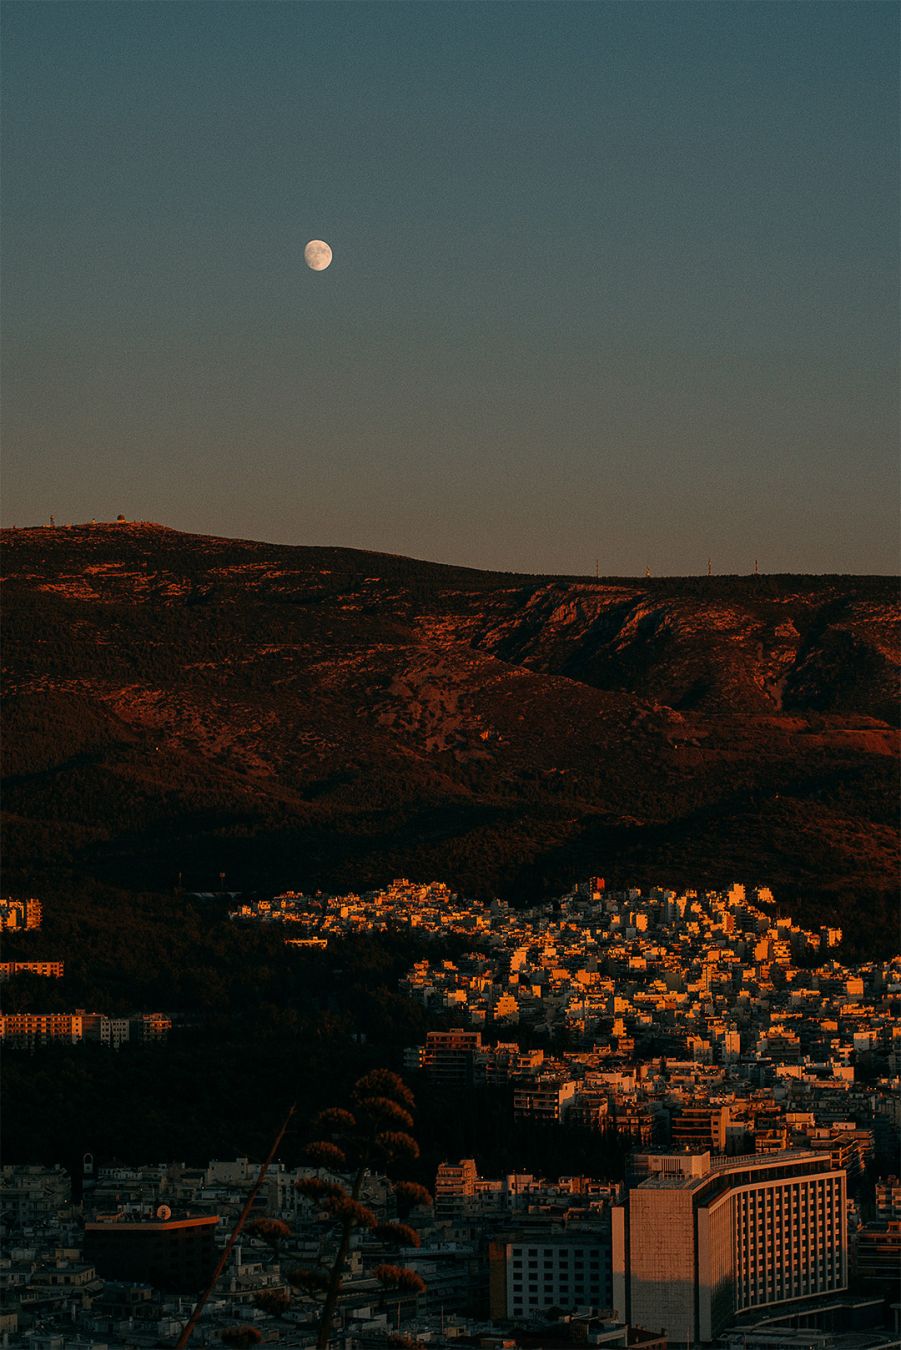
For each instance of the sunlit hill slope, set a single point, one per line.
(324, 717)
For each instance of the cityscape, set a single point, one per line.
(450, 675)
(739, 1081)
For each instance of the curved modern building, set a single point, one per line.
(700, 1240)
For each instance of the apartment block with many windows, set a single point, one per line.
(532, 1272)
(701, 1240)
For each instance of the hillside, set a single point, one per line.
(324, 717)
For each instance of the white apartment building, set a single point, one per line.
(543, 1098)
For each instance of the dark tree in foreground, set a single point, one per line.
(274, 1302)
(188, 1328)
(271, 1231)
(374, 1134)
(241, 1337)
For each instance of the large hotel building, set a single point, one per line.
(701, 1240)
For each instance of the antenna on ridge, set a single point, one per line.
(597, 568)
(756, 568)
(710, 567)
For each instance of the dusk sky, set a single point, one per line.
(610, 280)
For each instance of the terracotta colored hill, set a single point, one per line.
(327, 717)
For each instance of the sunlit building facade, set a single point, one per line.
(45, 969)
(27, 1030)
(700, 1241)
(447, 1056)
(20, 914)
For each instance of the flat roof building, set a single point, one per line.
(176, 1255)
(532, 1272)
(700, 1240)
(447, 1056)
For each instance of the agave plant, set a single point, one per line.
(374, 1131)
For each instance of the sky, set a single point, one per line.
(614, 284)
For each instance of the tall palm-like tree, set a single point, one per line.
(375, 1132)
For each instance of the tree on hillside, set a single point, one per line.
(374, 1134)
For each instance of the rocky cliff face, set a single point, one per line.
(328, 717)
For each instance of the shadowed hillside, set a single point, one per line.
(326, 717)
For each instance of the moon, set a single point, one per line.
(317, 255)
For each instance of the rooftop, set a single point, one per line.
(693, 1176)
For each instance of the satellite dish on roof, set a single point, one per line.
(163, 1212)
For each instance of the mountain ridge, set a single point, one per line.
(302, 715)
(123, 528)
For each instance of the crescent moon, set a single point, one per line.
(317, 255)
